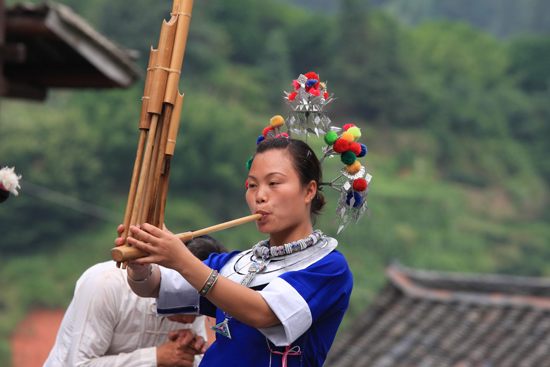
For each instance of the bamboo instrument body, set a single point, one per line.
(159, 120)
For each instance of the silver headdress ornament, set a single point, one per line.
(307, 117)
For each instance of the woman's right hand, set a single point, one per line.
(138, 271)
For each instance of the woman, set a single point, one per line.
(278, 304)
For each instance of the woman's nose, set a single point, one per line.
(261, 196)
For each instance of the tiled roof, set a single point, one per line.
(50, 46)
(434, 319)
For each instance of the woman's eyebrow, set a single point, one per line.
(269, 175)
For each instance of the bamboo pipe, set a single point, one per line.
(128, 252)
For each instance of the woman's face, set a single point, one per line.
(274, 190)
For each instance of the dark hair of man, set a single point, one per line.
(205, 245)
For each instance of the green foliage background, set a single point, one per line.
(456, 121)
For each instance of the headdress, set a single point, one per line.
(9, 182)
(306, 117)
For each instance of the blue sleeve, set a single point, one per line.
(325, 285)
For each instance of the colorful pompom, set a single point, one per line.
(249, 163)
(347, 126)
(260, 139)
(267, 130)
(357, 198)
(348, 137)
(348, 158)
(325, 95)
(292, 95)
(295, 84)
(311, 82)
(331, 137)
(355, 148)
(314, 91)
(354, 168)
(311, 75)
(363, 151)
(355, 131)
(340, 146)
(277, 121)
(360, 184)
(284, 135)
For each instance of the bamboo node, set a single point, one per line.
(168, 69)
(181, 13)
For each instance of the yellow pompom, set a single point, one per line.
(277, 121)
(348, 137)
(355, 131)
(354, 168)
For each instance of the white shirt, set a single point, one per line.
(106, 324)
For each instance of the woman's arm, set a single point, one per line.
(242, 303)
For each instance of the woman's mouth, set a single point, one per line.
(264, 216)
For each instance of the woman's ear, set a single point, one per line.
(311, 191)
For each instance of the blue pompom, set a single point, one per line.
(260, 139)
(363, 151)
(357, 198)
(311, 82)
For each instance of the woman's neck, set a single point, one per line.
(290, 235)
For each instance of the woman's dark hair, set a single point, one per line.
(305, 163)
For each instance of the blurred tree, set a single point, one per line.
(274, 65)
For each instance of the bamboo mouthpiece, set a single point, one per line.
(128, 252)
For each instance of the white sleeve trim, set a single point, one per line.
(291, 309)
(175, 293)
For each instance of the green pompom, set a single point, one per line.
(249, 163)
(331, 137)
(348, 157)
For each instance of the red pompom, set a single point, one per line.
(314, 91)
(266, 130)
(325, 95)
(292, 95)
(284, 135)
(311, 75)
(360, 184)
(340, 146)
(355, 148)
(347, 126)
(246, 184)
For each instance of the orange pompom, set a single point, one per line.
(354, 168)
(277, 121)
(348, 137)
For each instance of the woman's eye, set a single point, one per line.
(273, 183)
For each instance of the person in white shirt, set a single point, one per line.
(106, 324)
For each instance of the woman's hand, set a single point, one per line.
(163, 246)
(138, 271)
